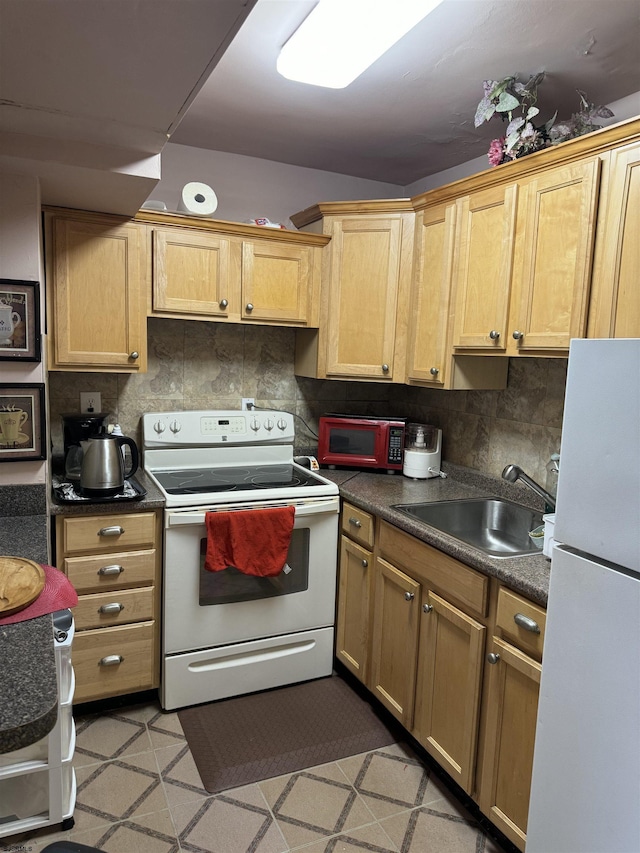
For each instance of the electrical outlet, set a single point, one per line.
(248, 403)
(90, 401)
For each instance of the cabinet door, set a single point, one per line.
(615, 303)
(485, 244)
(395, 640)
(352, 626)
(429, 316)
(364, 278)
(557, 228)
(99, 296)
(448, 687)
(192, 273)
(276, 282)
(512, 707)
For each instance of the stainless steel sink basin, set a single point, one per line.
(495, 526)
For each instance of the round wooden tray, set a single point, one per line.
(21, 582)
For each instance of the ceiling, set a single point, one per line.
(411, 114)
(91, 90)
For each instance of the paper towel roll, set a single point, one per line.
(198, 199)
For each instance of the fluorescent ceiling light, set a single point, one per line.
(342, 38)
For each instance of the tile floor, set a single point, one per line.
(139, 792)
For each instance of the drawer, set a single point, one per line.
(115, 607)
(358, 524)
(109, 532)
(97, 677)
(111, 571)
(521, 622)
(434, 569)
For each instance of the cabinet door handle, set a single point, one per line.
(116, 530)
(134, 355)
(434, 371)
(365, 563)
(249, 307)
(111, 570)
(409, 596)
(111, 660)
(224, 303)
(517, 336)
(494, 334)
(115, 607)
(355, 522)
(525, 622)
(492, 657)
(385, 368)
(427, 608)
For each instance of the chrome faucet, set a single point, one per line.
(512, 473)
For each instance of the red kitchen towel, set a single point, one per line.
(255, 541)
(58, 594)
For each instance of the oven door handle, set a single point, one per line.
(179, 519)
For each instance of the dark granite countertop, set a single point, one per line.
(376, 493)
(28, 683)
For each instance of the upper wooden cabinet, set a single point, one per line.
(97, 292)
(430, 359)
(615, 301)
(366, 278)
(214, 270)
(524, 262)
(520, 257)
(192, 273)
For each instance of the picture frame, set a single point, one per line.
(20, 338)
(22, 422)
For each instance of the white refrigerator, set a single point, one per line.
(585, 790)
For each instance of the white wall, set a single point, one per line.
(248, 187)
(21, 258)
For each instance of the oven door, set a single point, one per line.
(204, 609)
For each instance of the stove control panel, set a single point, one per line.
(213, 428)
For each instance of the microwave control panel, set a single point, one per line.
(396, 445)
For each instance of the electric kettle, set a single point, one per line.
(103, 471)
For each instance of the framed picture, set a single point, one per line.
(22, 432)
(19, 320)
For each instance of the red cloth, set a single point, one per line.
(58, 594)
(255, 541)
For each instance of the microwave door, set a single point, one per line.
(354, 444)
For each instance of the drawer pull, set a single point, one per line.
(355, 522)
(116, 530)
(115, 569)
(528, 624)
(111, 660)
(115, 607)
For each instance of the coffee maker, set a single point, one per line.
(77, 428)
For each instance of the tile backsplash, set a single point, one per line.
(198, 365)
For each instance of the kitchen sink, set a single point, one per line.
(496, 526)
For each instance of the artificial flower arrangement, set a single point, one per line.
(522, 136)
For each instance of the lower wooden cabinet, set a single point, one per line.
(114, 563)
(396, 625)
(452, 654)
(511, 707)
(448, 687)
(354, 596)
